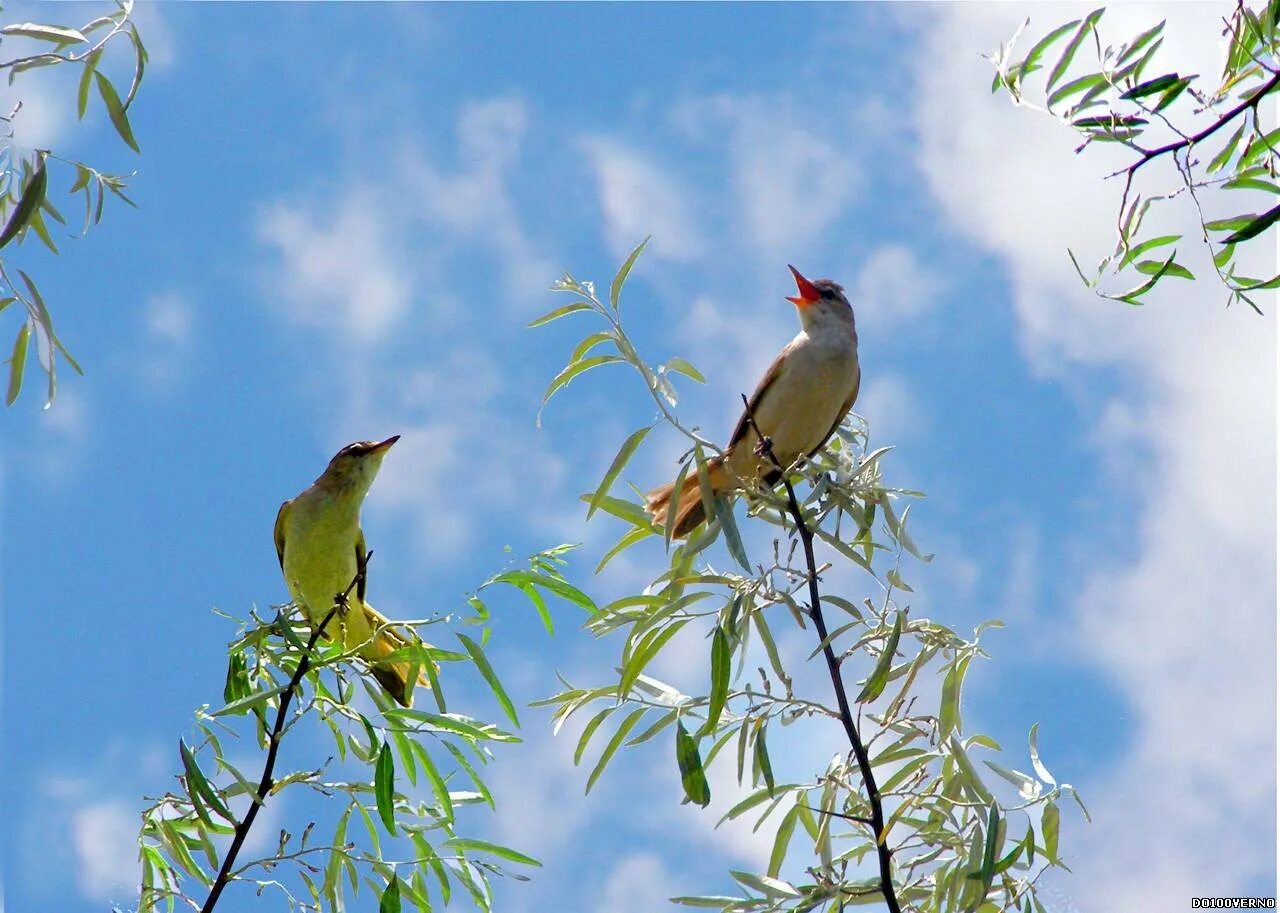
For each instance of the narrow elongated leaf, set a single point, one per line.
(390, 900)
(990, 847)
(732, 538)
(1138, 250)
(1031, 62)
(880, 675)
(721, 660)
(952, 684)
(1075, 87)
(1073, 45)
(1224, 154)
(782, 840)
(1041, 771)
(1140, 42)
(627, 725)
(1151, 86)
(760, 759)
(644, 652)
(692, 777)
(1049, 822)
(681, 366)
(1255, 227)
(572, 371)
(619, 463)
(82, 93)
(557, 313)
(615, 290)
(490, 677)
(384, 787)
(116, 111)
(1151, 267)
(495, 849)
(32, 197)
(17, 363)
(196, 780)
(57, 34)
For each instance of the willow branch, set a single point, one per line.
(883, 853)
(224, 878)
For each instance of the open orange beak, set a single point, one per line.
(808, 294)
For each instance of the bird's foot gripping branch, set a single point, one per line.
(894, 810)
(386, 798)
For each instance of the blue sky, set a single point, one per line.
(344, 210)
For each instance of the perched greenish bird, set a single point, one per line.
(321, 547)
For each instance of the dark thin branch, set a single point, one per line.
(340, 603)
(883, 853)
(1186, 142)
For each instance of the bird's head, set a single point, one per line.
(820, 301)
(355, 465)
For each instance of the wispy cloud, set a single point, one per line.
(640, 199)
(1176, 624)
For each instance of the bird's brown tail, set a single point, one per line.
(688, 503)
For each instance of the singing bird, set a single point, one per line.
(798, 404)
(321, 546)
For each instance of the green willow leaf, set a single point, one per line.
(1031, 62)
(612, 747)
(495, 849)
(1255, 227)
(760, 759)
(1049, 823)
(17, 362)
(782, 840)
(199, 785)
(681, 366)
(569, 373)
(384, 785)
(880, 675)
(1138, 250)
(732, 537)
(1151, 86)
(1060, 68)
(721, 661)
(692, 777)
(615, 290)
(615, 468)
(116, 111)
(491, 678)
(56, 34)
(28, 204)
(557, 313)
(390, 900)
(1151, 267)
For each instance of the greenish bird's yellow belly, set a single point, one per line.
(320, 563)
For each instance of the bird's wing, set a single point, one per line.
(361, 552)
(844, 410)
(740, 430)
(279, 532)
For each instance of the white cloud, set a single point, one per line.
(168, 323)
(640, 199)
(473, 206)
(105, 836)
(338, 270)
(1192, 431)
(637, 884)
(892, 408)
(790, 182)
(894, 286)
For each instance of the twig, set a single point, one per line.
(1187, 142)
(883, 853)
(273, 747)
